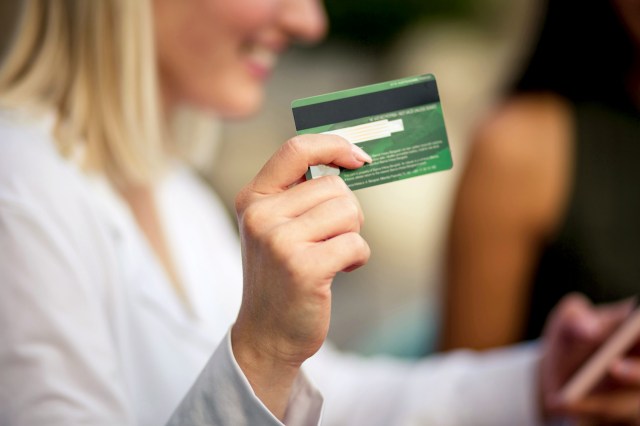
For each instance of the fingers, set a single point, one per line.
(572, 334)
(320, 262)
(293, 159)
(306, 195)
(618, 406)
(575, 331)
(333, 217)
(345, 252)
(334, 206)
(613, 314)
(583, 321)
(577, 318)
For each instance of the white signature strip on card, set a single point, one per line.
(369, 131)
(357, 134)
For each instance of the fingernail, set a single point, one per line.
(360, 155)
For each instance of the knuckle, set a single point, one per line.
(573, 306)
(297, 273)
(364, 249)
(338, 140)
(293, 146)
(251, 219)
(576, 300)
(278, 242)
(358, 244)
(349, 209)
(356, 202)
(277, 246)
(241, 201)
(294, 266)
(354, 211)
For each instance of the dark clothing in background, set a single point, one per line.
(596, 250)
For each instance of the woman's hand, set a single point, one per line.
(574, 331)
(296, 236)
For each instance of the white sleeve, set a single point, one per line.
(462, 388)
(222, 395)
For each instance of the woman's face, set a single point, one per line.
(217, 54)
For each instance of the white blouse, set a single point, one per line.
(91, 331)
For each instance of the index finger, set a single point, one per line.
(292, 160)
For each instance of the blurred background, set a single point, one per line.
(475, 48)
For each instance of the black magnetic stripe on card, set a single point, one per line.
(366, 105)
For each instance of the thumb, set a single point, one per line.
(591, 323)
(292, 160)
(611, 315)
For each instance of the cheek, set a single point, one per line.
(201, 50)
(247, 14)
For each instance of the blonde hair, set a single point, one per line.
(93, 62)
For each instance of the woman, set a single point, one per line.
(120, 274)
(549, 200)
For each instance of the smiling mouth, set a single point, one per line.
(262, 60)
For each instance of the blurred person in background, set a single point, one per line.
(120, 274)
(549, 201)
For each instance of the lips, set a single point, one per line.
(261, 60)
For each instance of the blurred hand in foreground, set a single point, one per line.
(573, 332)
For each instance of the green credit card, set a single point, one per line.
(398, 123)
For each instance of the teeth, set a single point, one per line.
(264, 57)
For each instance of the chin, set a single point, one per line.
(239, 112)
(240, 107)
(236, 105)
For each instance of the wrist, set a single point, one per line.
(251, 349)
(271, 376)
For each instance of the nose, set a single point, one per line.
(304, 20)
